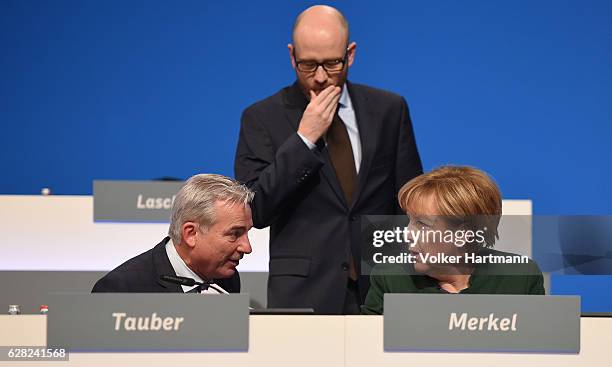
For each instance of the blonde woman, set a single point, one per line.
(463, 206)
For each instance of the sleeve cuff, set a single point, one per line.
(308, 143)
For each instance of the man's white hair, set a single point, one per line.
(195, 201)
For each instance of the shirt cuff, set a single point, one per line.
(308, 143)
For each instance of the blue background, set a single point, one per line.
(144, 89)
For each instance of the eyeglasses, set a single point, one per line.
(331, 66)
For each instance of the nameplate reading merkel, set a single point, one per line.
(134, 201)
(481, 323)
(149, 322)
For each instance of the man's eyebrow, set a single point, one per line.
(237, 226)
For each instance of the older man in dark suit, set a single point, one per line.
(207, 238)
(319, 154)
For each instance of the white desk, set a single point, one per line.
(58, 233)
(364, 347)
(319, 341)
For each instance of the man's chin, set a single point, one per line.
(226, 272)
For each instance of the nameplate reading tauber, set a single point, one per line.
(134, 201)
(481, 323)
(149, 322)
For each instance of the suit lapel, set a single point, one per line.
(296, 104)
(330, 175)
(368, 135)
(162, 266)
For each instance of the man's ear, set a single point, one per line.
(291, 52)
(350, 50)
(189, 231)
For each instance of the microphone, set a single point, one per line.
(184, 281)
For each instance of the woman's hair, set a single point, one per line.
(458, 192)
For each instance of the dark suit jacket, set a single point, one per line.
(142, 273)
(313, 230)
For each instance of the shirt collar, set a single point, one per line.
(345, 99)
(180, 268)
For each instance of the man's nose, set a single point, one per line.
(320, 75)
(245, 245)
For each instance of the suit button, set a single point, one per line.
(303, 176)
(345, 266)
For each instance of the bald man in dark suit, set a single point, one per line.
(320, 154)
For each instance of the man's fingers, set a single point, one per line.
(321, 97)
(330, 110)
(329, 99)
(313, 95)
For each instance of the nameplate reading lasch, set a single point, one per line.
(149, 322)
(134, 201)
(481, 323)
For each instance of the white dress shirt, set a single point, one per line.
(182, 270)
